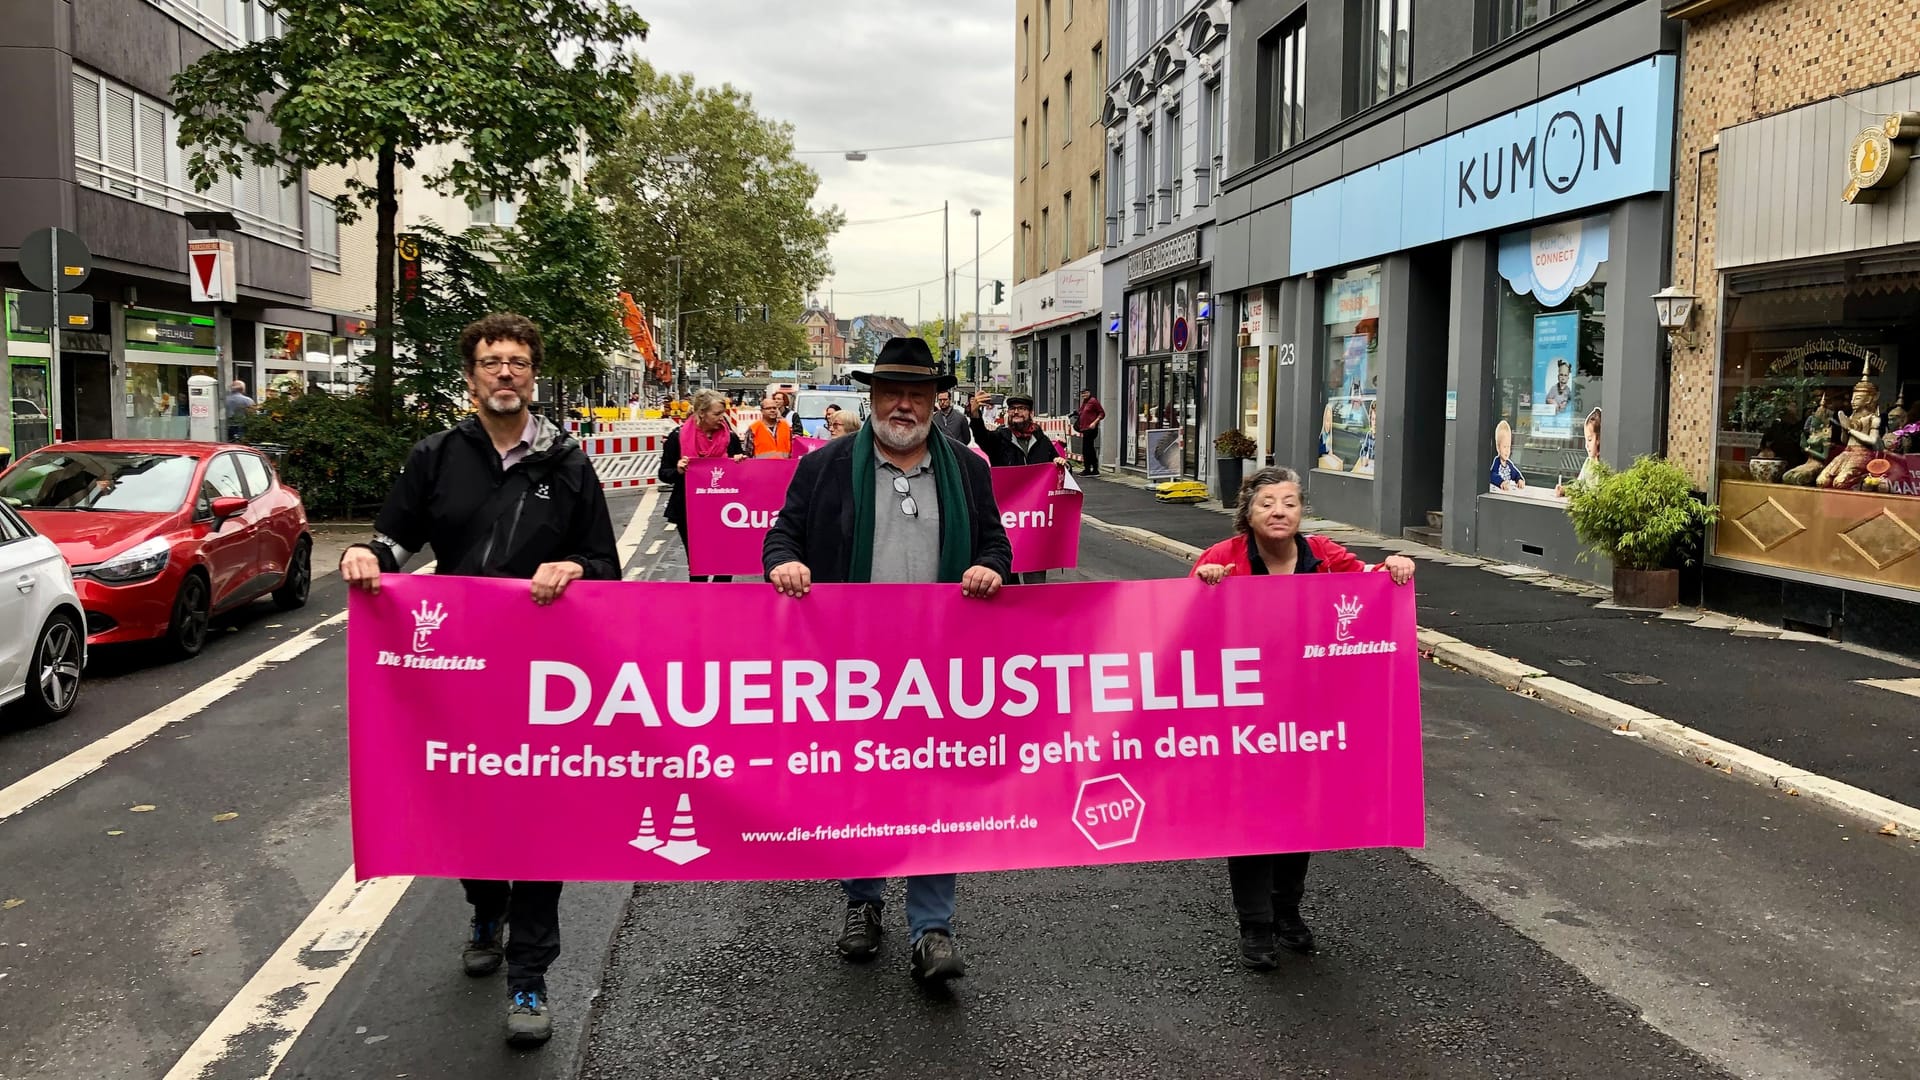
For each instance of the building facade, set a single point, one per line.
(1438, 240)
(1793, 385)
(1165, 120)
(826, 341)
(1060, 93)
(92, 150)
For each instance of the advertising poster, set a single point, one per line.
(1353, 358)
(1556, 348)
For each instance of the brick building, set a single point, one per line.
(1795, 231)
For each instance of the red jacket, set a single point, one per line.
(1089, 414)
(1322, 556)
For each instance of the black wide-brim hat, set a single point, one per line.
(907, 360)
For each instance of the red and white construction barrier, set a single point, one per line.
(624, 461)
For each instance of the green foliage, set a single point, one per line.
(522, 85)
(339, 455)
(456, 286)
(1234, 443)
(1643, 518)
(733, 205)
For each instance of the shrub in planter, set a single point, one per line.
(333, 450)
(1231, 449)
(1645, 520)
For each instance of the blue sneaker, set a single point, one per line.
(528, 1022)
(484, 951)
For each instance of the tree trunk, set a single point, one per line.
(386, 209)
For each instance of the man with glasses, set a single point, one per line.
(503, 493)
(893, 504)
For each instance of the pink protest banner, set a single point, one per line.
(1041, 514)
(730, 507)
(876, 729)
(806, 444)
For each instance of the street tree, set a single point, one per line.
(520, 84)
(697, 175)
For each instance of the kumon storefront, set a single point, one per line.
(1816, 452)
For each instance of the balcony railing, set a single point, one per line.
(116, 180)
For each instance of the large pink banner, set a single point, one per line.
(730, 507)
(870, 730)
(1041, 514)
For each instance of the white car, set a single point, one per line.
(43, 639)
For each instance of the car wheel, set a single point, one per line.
(293, 590)
(192, 610)
(53, 675)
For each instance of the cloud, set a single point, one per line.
(853, 74)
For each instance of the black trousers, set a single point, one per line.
(1090, 452)
(532, 911)
(686, 546)
(1262, 883)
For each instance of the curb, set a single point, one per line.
(1881, 814)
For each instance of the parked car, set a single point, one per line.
(162, 536)
(43, 644)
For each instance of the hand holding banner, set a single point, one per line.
(1184, 721)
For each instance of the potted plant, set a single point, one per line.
(1232, 448)
(1642, 519)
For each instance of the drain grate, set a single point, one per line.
(1633, 678)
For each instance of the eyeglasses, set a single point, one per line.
(492, 365)
(907, 505)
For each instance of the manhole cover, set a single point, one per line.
(1633, 678)
(1573, 663)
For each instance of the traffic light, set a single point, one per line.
(999, 292)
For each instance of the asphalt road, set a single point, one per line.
(1585, 907)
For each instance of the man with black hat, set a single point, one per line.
(894, 504)
(1019, 441)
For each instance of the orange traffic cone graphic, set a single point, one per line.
(647, 840)
(681, 848)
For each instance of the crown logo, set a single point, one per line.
(425, 621)
(1347, 610)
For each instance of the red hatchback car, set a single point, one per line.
(162, 536)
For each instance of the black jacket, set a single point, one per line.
(954, 423)
(816, 524)
(1001, 451)
(483, 521)
(671, 476)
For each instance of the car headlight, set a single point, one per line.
(142, 560)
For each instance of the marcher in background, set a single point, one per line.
(239, 407)
(704, 435)
(895, 503)
(1017, 442)
(1267, 889)
(951, 421)
(1086, 421)
(503, 493)
(770, 436)
(844, 422)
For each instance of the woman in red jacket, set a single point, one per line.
(1267, 888)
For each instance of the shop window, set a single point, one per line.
(157, 393)
(1817, 458)
(1350, 379)
(1550, 370)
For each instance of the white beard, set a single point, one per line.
(900, 443)
(492, 404)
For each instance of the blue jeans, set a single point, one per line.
(929, 900)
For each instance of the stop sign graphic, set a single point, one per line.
(1108, 812)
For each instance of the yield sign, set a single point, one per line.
(210, 271)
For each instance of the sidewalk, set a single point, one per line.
(1790, 696)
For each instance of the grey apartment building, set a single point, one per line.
(1438, 233)
(91, 148)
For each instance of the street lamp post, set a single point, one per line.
(673, 354)
(973, 363)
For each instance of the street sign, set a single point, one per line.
(36, 260)
(210, 277)
(36, 311)
(1180, 334)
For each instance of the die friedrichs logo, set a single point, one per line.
(428, 618)
(1347, 610)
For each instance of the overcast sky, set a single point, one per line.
(869, 73)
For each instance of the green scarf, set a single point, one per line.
(956, 524)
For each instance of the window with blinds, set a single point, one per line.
(323, 233)
(116, 129)
(86, 129)
(152, 138)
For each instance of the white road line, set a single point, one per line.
(23, 793)
(636, 529)
(654, 548)
(1909, 687)
(286, 993)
